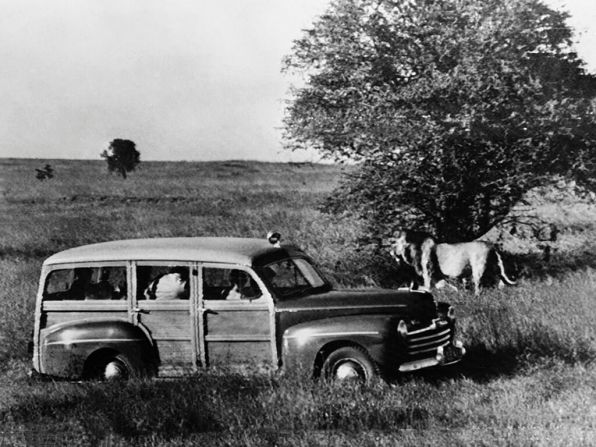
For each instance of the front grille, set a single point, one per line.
(424, 342)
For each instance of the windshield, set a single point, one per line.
(291, 277)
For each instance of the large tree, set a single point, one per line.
(451, 109)
(122, 156)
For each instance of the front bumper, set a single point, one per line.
(443, 356)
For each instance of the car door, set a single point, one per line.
(163, 297)
(236, 321)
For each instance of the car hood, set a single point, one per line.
(406, 303)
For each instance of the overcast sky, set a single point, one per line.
(185, 80)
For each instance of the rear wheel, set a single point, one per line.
(117, 368)
(114, 367)
(349, 363)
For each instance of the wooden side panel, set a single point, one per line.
(230, 354)
(50, 318)
(239, 322)
(175, 353)
(167, 324)
(171, 331)
(238, 336)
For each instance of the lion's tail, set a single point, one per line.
(502, 269)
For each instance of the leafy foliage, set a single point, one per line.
(122, 156)
(453, 110)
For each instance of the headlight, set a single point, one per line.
(402, 329)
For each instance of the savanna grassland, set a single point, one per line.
(529, 377)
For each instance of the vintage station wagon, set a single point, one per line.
(159, 307)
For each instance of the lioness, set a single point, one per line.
(435, 262)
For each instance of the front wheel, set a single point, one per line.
(349, 363)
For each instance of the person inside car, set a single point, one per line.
(101, 290)
(170, 286)
(243, 287)
(80, 284)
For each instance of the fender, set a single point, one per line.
(66, 347)
(377, 334)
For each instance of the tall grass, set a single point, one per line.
(528, 377)
(553, 403)
(18, 289)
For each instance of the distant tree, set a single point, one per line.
(122, 156)
(452, 109)
(46, 173)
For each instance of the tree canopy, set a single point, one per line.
(451, 109)
(122, 156)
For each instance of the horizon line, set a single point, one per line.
(256, 160)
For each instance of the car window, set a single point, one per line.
(86, 283)
(163, 282)
(291, 277)
(229, 284)
(310, 274)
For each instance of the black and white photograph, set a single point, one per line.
(296, 223)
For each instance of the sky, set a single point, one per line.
(185, 80)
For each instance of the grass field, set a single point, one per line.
(529, 377)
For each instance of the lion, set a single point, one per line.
(437, 262)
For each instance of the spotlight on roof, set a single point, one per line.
(274, 238)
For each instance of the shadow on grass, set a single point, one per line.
(544, 265)
(210, 404)
(336, 415)
(135, 408)
(482, 364)
(479, 364)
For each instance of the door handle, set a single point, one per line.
(138, 310)
(208, 311)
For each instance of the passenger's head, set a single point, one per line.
(104, 275)
(83, 274)
(181, 271)
(239, 277)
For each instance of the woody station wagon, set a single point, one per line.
(161, 307)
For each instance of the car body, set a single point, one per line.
(169, 306)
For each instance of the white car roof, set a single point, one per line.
(206, 249)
